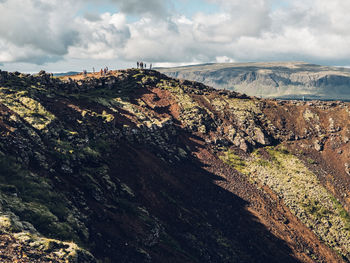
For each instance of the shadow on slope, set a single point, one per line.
(202, 221)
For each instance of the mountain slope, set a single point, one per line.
(140, 167)
(275, 79)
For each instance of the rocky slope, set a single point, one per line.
(277, 79)
(139, 167)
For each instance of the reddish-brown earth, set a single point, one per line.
(160, 204)
(265, 208)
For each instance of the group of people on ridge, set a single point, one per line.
(141, 65)
(104, 71)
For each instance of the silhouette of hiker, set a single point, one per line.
(141, 65)
(101, 72)
(138, 64)
(145, 66)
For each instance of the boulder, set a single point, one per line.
(347, 168)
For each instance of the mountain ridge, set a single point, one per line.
(145, 168)
(272, 79)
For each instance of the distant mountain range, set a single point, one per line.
(289, 80)
(70, 73)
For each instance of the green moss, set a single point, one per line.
(6, 224)
(283, 150)
(61, 150)
(36, 202)
(263, 162)
(27, 108)
(342, 213)
(138, 76)
(234, 160)
(301, 191)
(315, 208)
(107, 117)
(276, 155)
(65, 251)
(91, 153)
(146, 79)
(311, 161)
(103, 101)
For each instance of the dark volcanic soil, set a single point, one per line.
(129, 168)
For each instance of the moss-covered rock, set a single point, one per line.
(301, 191)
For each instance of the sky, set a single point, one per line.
(73, 35)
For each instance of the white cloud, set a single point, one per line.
(169, 64)
(48, 30)
(35, 30)
(236, 19)
(102, 38)
(157, 7)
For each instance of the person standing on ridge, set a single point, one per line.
(138, 65)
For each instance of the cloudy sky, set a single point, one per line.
(64, 35)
